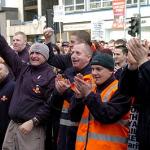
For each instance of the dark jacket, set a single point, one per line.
(6, 92)
(137, 83)
(34, 85)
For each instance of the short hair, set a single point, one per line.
(21, 33)
(83, 36)
(123, 48)
(120, 42)
(111, 41)
(86, 48)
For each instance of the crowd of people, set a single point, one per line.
(77, 95)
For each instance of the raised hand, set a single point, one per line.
(138, 50)
(48, 32)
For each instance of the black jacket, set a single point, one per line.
(137, 83)
(59, 61)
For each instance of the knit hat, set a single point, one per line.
(103, 59)
(40, 48)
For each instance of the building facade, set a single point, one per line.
(78, 16)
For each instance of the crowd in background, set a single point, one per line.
(78, 94)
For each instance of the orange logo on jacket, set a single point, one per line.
(36, 89)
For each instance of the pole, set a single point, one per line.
(125, 20)
(60, 36)
(139, 15)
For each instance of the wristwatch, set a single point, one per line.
(35, 121)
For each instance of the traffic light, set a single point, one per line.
(134, 28)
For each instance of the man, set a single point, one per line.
(135, 82)
(6, 91)
(66, 47)
(81, 56)
(29, 108)
(120, 57)
(64, 61)
(111, 44)
(105, 111)
(20, 45)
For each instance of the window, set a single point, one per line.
(107, 3)
(30, 9)
(74, 5)
(96, 4)
(79, 4)
(30, 2)
(131, 2)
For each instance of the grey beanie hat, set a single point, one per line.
(40, 48)
(103, 59)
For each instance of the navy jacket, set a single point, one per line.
(59, 61)
(67, 134)
(34, 85)
(6, 92)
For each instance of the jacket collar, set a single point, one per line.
(106, 83)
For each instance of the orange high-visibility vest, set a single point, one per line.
(93, 135)
(66, 105)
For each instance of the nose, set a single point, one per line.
(94, 72)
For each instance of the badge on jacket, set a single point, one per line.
(36, 89)
(3, 98)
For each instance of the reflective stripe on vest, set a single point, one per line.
(103, 137)
(121, 121)
(69, 123)
(64, 110)
(106, 94)
(64, 120)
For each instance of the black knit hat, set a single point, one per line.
(104, 60)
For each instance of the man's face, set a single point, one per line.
(100, 74)
(36, 58)
(111, 46)
(19, 43)
(74, 40)
(79, 57)
(119, 56)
